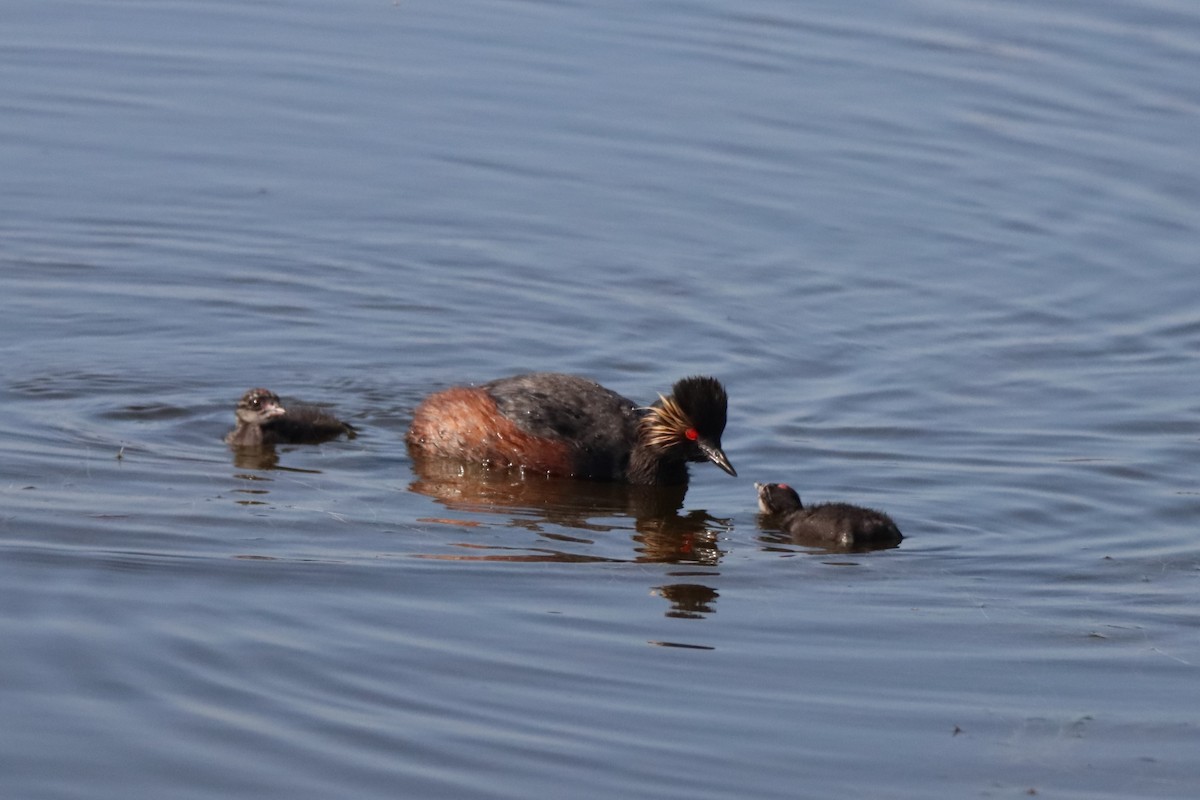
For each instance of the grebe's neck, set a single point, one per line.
(650, 465)
(246, 434)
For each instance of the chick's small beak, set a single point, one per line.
(272, 410)
(716, 455)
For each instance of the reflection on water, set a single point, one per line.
(688, 600)
(524, 555)
(262, 457)
(565, 501)
(690, 538)
(545, 505)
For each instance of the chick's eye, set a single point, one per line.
(691, 434)
(256, 403)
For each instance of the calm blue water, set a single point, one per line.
(943, 255)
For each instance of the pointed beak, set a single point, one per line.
(716, 455)
(273, 410)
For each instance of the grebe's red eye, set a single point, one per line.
(691, 434)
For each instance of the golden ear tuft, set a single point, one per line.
(665, 424)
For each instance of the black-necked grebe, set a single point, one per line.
(570, 426)
(837, 523)
(262, 420)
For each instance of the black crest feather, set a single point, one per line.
(704, 401)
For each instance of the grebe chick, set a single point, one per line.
(838, 523)
(262, 420)
(569, 426)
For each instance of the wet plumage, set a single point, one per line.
(836, 523)
(571, 426)
(262, 420)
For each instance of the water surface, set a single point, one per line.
(942, 255)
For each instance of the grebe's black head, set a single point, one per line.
(777, 498)
(258, 406)
(692, 419)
